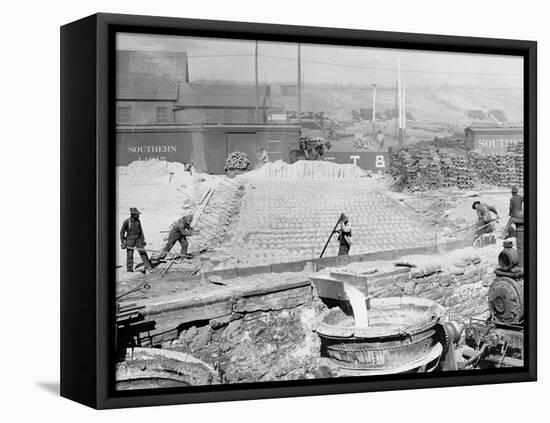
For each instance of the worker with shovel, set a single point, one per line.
(344, 235)
(132, 238)
(179, 232)
(486, 223)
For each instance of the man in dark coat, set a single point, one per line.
(132, 238)
(516, 212)
(344, 235)
(179, 232)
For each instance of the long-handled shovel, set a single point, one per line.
(329, 238)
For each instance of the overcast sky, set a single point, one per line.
(233, 60)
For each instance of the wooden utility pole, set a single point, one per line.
(299, 83)
(257, 86)
(396, 110)
(400, 103)
(374, 110)
(404, 112)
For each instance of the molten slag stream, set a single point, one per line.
(358, 305)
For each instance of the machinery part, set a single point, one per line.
(449, 334)
(520, 243)
(500, 360)
(474, 356)
(508, 257)
(494, 344)
(475, 332)
(505, 300)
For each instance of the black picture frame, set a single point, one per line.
(87, 195)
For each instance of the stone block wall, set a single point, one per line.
(462, 290)
(264, 338)
(268, 333)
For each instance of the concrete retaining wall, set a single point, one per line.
(336, 261)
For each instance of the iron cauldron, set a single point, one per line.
(403, 335)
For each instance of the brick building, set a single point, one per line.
(145, 100)
(203, 103)
(147, 86)
(160, 114)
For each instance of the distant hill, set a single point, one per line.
(446, 104)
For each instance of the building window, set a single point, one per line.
(227, 115)
(162, 115)
(251, 116)
(123, 115)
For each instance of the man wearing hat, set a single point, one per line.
(485, 220)
(132, 238)
(516, 211)
(179, 232)
(344, 235)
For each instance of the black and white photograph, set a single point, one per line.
(296, 211)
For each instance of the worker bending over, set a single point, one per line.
(179, 232)
(344, 235)
(132, 238)
(486, 223)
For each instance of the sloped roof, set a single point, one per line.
(202, 95)
(139, 87)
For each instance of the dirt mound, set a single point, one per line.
(309, 169)
(163, 192)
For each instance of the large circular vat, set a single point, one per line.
(403, 335)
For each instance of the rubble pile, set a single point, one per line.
(309, 169)
(515, 148)
(424, 167)
(364, 143)
(449, 142)
(502, 170)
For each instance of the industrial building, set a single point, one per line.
(493, 139)
(207, 146)
(160, 114)
(209, 103)
(147, 86)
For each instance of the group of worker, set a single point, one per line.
(132, 238)
(486, 221)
